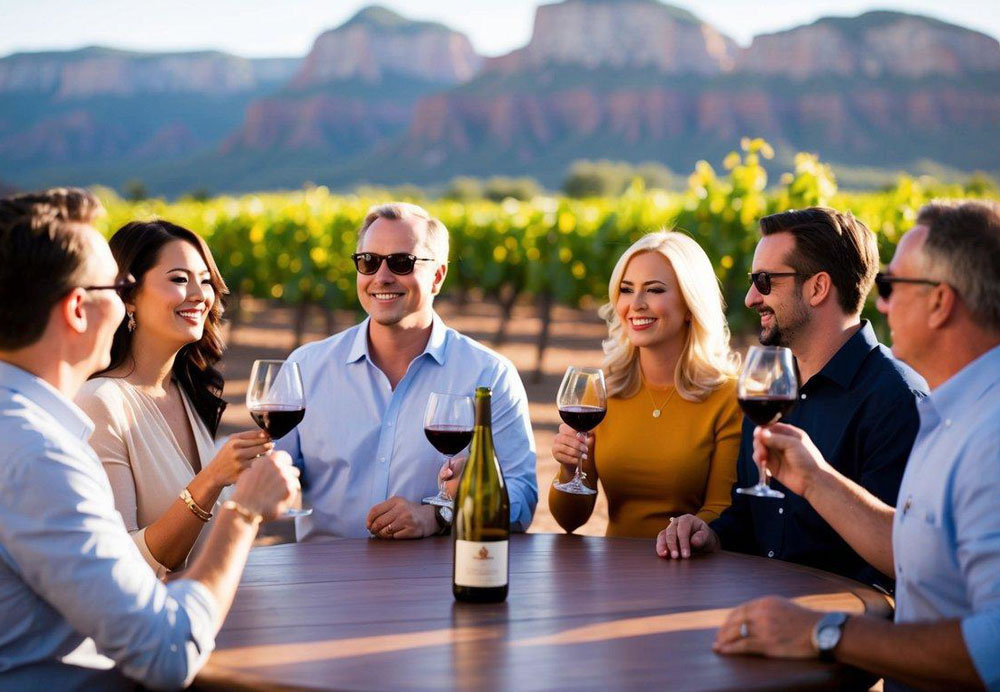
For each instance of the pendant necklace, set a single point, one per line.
(658, 409)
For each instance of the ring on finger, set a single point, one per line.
(744, 630)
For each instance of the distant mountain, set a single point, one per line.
(385, 99)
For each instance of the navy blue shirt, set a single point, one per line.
(860, 411)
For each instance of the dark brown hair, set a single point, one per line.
(136, 246)
(830, 241)
(42, 257)
(962, 248)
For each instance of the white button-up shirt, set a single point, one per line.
(76, 596)
(362, 442)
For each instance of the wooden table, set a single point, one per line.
(582, 613)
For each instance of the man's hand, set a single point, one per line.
(451, 474)
(684, 535)
(399, 518)
(789, 455)
(771, 626)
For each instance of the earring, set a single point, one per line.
(131, 322)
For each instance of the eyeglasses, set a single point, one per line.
(762, 280)
(398, 262)
(884, 282)
(120, 286)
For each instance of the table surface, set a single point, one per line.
(582, 613)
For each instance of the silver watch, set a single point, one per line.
(827, 633)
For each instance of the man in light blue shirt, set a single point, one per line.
(79, 606)
(366, 460)
(941, 294)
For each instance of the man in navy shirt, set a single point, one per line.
(811, 272)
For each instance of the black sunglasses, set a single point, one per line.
(398, 262)
(120, 286)
(762, 280)
(884, 282)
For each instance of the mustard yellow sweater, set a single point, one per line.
(683, 462)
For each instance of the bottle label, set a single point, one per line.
(481, 564)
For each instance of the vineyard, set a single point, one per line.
(295, 247)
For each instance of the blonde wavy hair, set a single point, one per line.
(707, 361)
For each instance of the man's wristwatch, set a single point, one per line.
(443, 516)
(826, 634)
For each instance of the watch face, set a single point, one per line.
(446, 513)
(828, 637)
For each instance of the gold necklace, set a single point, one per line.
(658, 409)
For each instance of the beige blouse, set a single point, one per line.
(140, 453)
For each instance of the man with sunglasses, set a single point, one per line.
(79, 606)
(941, 295)
(811, 272)
(366, 461)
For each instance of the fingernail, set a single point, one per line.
(673, 554)
(687, 553)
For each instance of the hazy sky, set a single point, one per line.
(261, 28)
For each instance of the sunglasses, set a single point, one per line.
(398, 262)
(884, 282)
(762, 280)
(120, 286)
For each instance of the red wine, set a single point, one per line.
(276, 420)
(764, 410)
(448, 439)
(582, 418)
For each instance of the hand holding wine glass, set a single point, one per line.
(583, 403)
(448, 424)
(768, 388)
(277, 403)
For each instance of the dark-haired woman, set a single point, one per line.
(157, 407)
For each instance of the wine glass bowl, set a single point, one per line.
(767, 390)
(449, 420)
(583, 403)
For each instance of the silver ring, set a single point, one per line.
(744, 630)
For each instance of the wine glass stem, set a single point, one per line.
(442, 486)
(578, 474)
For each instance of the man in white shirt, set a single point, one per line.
(79, 607)
(366, 461)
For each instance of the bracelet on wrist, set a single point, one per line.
(252, 518)
(196, 510)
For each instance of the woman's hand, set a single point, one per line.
(569, 446)
(238, 454)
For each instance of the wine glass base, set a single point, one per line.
(574, 487)
(761, 491)
(304, 512)
(439, 500)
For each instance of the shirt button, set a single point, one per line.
(803, 396)
(770, 553)
(781, 510)
(382, 459)
(947, 423)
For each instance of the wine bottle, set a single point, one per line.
(481, 525)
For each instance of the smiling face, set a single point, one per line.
(403, 300)
(784, 315)
(175, 296)
(650, 304)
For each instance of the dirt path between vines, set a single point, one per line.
(267, 332)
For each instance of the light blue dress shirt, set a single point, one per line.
(361, 442)
(76, 596)
(946, 531)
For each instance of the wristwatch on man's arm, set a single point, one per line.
(827, 633)
(443, 516)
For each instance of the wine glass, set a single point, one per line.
(277, 403)
(767, 389)
(449, 420)
(582, 402)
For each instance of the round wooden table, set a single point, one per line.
(582, 613)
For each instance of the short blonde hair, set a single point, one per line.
(707, 361)
(436, 234)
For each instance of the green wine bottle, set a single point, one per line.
(481, 526)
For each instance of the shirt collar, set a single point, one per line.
(436, 344)
(960, 391)
(847, 361)
(47, 398)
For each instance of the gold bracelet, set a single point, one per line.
(193, 506)
(252, 518)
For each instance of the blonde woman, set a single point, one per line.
(669, 442)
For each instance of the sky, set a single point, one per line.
(280, 28)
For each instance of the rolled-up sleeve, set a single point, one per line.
(62, 531)
(515, 444)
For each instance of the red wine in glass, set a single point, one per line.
(277, 420)
(448, 439)
(764, 410)
(582, 418)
